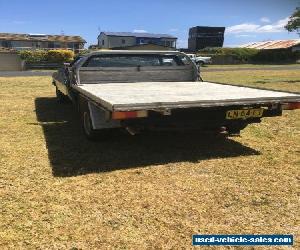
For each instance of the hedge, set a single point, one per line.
(60, 55)
(253, 55)
(55, 56)
(33, 56)
(274, 56)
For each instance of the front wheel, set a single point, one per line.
(200, 63)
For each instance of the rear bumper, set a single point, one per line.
(205, 119)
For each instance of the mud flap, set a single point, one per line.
(99, 120)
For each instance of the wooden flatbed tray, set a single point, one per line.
(169, 95)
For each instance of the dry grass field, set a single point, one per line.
(152, 191)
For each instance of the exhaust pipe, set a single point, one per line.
(131, 130)
(223, 130)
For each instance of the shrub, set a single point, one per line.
(57, 56)
(273, 56)
(253, 55)
(83, 52)
(60, 55)
(33, 55)
(241, 54)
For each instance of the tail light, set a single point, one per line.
(291, 105)
(120, 115)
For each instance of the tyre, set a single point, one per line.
(61, 98)
(85, 119)
(87, 126)
(200, 63)
(236, 128)
(88, 130)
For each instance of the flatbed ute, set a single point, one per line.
(150, 90)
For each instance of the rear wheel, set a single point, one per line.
(85, 119)
(200, 63)
(87, 126)
(235, 129)
(89, 132)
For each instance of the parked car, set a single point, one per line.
(200, 60)
(147, 90)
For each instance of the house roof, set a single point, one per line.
(277, 44)
(138, 34)
(40, 37)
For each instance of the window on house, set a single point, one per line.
(56, 45)
(70, 45)
(6, 44)
(51, 45)
(102, 42)
(123, 41)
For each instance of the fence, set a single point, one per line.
(42, 65)
(10, 61)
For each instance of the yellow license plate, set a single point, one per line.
(244, 113)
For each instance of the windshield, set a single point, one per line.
(135, 60)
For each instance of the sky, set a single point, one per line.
(245, 21)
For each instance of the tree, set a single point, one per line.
(294, 22)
